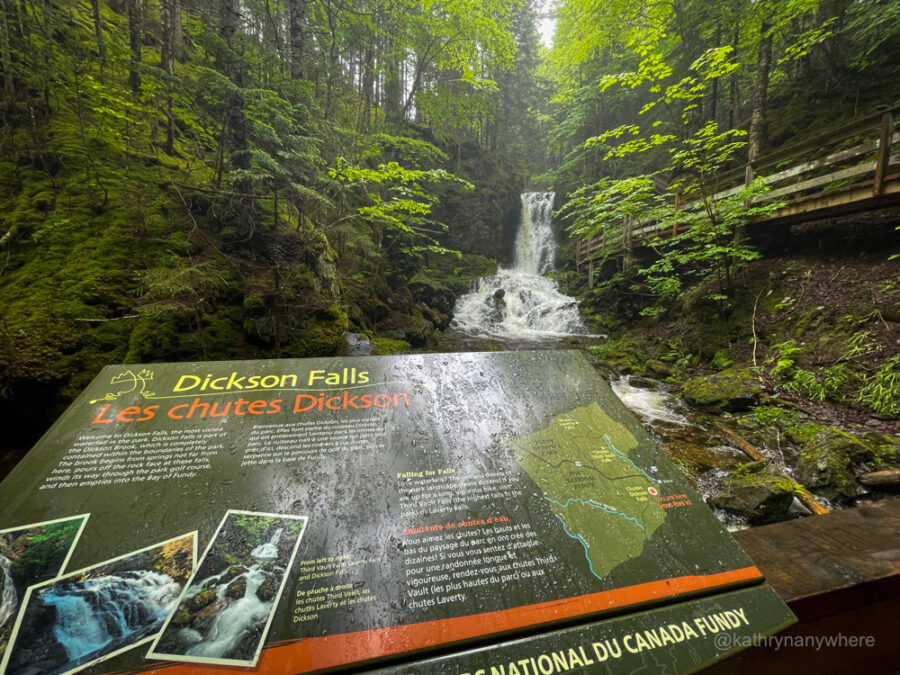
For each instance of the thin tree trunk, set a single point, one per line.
(167, 62)
(298, 11)
(98, 33)
(135, 30)
(8, 88)
(760, 91)
(735, 103)
(235, 122)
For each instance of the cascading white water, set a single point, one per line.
(239, 617)
(93, 613)
(9, 599)
(270, 548)
(519, 303)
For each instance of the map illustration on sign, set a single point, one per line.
(445, 501)
(600, 496)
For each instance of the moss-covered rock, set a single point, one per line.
(201, 600)
(657, 368)
(732, 390)
(236, 588)
(428, 290)
(383, 346)
(756, 492)
(826, 459)
(627, 354)
(885, 448)
(414, 329)
(267, 590)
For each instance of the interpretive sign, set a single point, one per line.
(357, 511)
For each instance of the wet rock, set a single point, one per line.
(233, 572)
(201, 600)
(826, 459)
(431, 292)
(266, 590)
(756, 492)
(657, 368)
(732, 390)
(414, 329)
(626, 355)
(499, 294)
(642, 382)
(886, 448)
(204, 618)
(358, 345)
(182, 617)
(236, 588)
(42, 651)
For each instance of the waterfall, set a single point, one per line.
(236, 617)
(535, 244)
(92, 613)
(270, 548)
(519, 303)
(9, 599)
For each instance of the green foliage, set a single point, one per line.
(881, 389)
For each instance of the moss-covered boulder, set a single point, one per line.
(428, 290)
(237, 588)
(885, 447)
(657, 368)
(414, 328)
(756, 492)
(266, 590)
(383, 346)
(826, 459)
(627, 354)
(732, 390)
(201, 600)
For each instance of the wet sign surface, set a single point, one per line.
(356, 510)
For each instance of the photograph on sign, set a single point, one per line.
(225, 612)
(87, 616)
(30, 554)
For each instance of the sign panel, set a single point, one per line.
(371, 509)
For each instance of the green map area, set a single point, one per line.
(599, 495)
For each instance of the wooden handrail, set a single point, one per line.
(878, 167)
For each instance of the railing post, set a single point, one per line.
(590, 273)
(883, 158)
(629, 225)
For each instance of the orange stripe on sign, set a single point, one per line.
(311, 654)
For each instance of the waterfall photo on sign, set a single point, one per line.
(90, 615)
(29, 555)
(225, 612)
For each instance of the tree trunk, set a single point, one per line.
(135, 30)
(167, 63)
(98, 33)
(760, 90)
(6, 49)
(298, 10)
(735, 103)
(235, 123)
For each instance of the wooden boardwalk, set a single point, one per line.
(840, 574)
(850, 169)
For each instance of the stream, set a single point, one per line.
(238, 617)
(92, 614)
(9, 599)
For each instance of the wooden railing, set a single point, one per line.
(816, 178)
